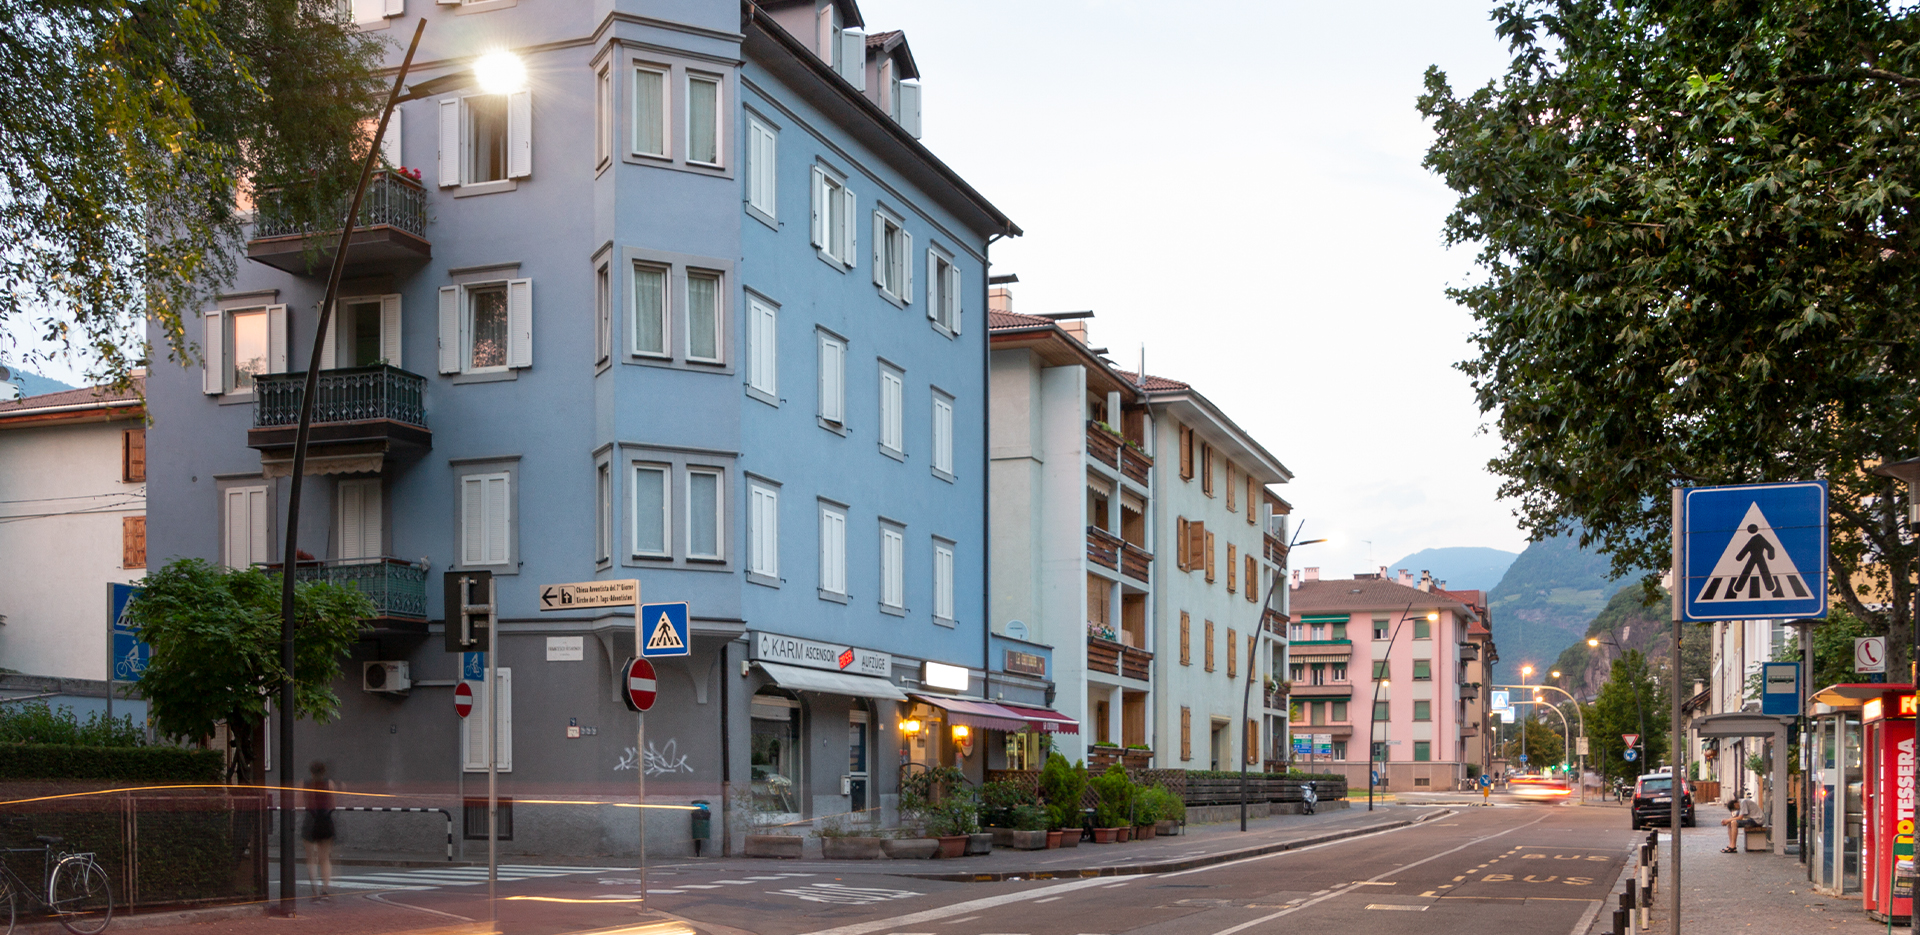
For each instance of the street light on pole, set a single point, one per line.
(1640, 764)
(1253, 665)
(1433, 616)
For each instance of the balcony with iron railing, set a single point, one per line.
(397, 587)
(388, 236)
(361, 416)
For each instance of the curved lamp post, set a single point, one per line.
(1253, 665)
(1581, 715)
(1433, 616)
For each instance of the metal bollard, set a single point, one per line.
(1620, 924)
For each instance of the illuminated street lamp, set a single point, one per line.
(1433, 616)
(1640, 764)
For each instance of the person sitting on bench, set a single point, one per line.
(1741, 813)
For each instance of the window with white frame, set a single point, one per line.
(942, 580)
(763, 530)
(706, 528)
(603, 512)
(486, 138)
(486, 520)
(602, 314)
(833, 379)
(833, 211)
(652, 511)
(833, 549)
(363, 331)
(247, 515)
(486, 327)
(603, 116)
(650, 111)
(943, 291)
(762, 167)
(942, 453)
(762, 348)
(242, 343)
(358, 518)
(649, 310)
(893, 567)
(704, 316)
(892, 410)
(703, 119)
(892, 256)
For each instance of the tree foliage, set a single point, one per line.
(215, 635)
(131, 132)
(1632, 701)
(1695, 224)
(1544, 743)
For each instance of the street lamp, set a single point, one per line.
(496, 74)
(1253, 665)
(1640, 765)
(1524, 672)
(1433, 616)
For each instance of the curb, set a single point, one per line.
(1172, 866)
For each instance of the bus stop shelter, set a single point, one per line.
(1744, 724)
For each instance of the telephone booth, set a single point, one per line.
(1887, 723)
(1836, 787)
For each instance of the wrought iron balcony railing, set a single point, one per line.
(398, 588)
(391, 200)
(355, 394)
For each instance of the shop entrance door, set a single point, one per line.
(857, 760)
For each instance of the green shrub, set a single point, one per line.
(1031, 818)
(1116, 791)
(1160, 804)
(1062, 787)
(39, 722)
(121, 764)
(1000, 798)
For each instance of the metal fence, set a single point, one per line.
(159, 847)
(352, 394)
(398, 588)
(391, 200)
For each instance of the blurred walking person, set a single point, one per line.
(318, 832)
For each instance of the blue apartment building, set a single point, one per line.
(694, 307)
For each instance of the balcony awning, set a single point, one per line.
(275, 465)
(1043, 719)
(982, 714)
(833, 683)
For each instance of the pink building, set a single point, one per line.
(1395, 659)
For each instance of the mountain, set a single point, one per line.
(1545, 601)
(33, 384)
(1463, 568)
(1630, 623)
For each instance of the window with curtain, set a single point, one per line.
(703, 119)
(649, 311)
(704, 506)
(248, 339)
(651, 538)
(486, 328)
(649, 112)
(703, 316)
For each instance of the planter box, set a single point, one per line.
(910, 848)
(851, 848)
(1143, 832)
(1167, 827)
(1106, 835)
(980, 843)
(952, 846)
(1070, 837)
(775, 845)
(1019, 840)
(1053, 838)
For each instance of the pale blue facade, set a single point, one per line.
(570, 433)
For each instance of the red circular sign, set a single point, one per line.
(463, 699)
(640, 684)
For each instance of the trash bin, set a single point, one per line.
(702, 818)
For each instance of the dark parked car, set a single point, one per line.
(1653, 801)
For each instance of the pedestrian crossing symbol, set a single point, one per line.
(1757, 550)
(663, 629)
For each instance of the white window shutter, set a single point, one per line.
(853, 239)
(449, 329)
(449, 141)
(330, 342)
(396, 8)
(819, 207)
(853, 58)
(910, 107)
(390, 141)
(352, 506)
(933, 285)
(879, 250)
(276, 339)
(906, 266)
(519, 322)
(473, 520)
(825, 38)
(214, 347)
(499, 536)
(258, 550)
(953, 290)
(390, 329)
(519, 134)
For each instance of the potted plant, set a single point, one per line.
(1063, 787)
(1168, 810)
(1112, 813)
(917, 794)
(953, 821)
(840, 840)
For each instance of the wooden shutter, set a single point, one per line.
(1206, 631)
(390, 142)
(1209, 558)
(1186, 733)
(519, 134)
(1197, 545)
(1233, 653)
(390, 328)
(1180, 547)
(449, 141)
(1206, 469)
(1253, 742)
(133, 455)
(1186, 639)
(1253, 499)
(1186, 452)
(1253, 580)
(214, 347)
(519, 322)
(1233, 493)
(1233, 566)
(329, 341)
(396, 8)
(133, 541)
(449, 329)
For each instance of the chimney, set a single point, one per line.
(999, 299)
(1077, 329)
(1426, 580)
(1383, 574)
(1296, 579)
(1313, 574)
(1406, 578)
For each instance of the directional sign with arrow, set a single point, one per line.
(624, 592)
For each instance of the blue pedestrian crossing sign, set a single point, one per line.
(663, 630)
(1755, 550)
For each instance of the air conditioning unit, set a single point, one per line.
(391, 677)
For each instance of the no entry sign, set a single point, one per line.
(463, 699)
(639, 690)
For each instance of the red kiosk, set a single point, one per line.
(1889, 751)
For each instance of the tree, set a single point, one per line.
(1545, 745)
(1695, 221)
(1631, 701)
(215, 635)
(132, 132)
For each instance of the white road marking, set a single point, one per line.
(1392, 906)
(1049, 899)
(959, 908)
(697, 886)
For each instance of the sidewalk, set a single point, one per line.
(1745, 892)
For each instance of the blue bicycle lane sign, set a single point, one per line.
(1754, 550)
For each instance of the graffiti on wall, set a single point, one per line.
(665, 758)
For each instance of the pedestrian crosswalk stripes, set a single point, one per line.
(426, 878)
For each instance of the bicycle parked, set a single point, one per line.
(77, 890)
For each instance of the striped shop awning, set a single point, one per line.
(982, 714)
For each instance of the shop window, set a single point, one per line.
(775, 755)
